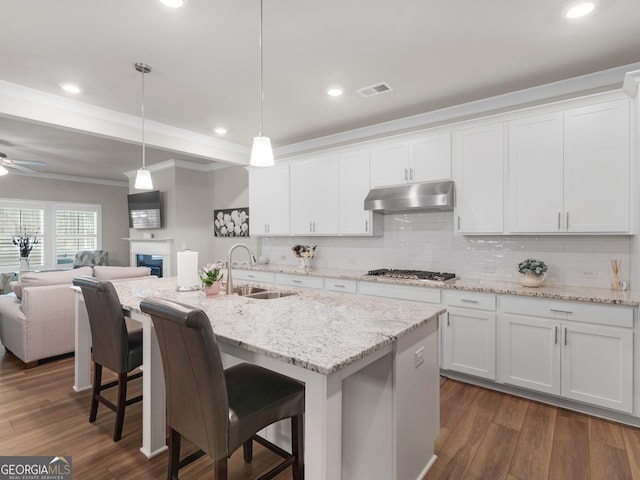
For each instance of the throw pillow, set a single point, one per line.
(17, 289)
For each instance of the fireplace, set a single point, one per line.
(152, 253)
(154, 262)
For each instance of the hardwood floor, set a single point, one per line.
(490, 435)
(485, 435)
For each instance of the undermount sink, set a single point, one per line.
(244, 290)
(268, 295)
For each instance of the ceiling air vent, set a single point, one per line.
(374, 90)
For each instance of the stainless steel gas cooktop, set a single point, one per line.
(412, 274)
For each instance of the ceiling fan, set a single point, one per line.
(20, 165)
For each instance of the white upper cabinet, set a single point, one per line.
(535, 198)
(353, 187)
(569, 171)
(269, 200)
(597, 168)
(478, 163)
(390, 164)
(430, 158)
(314, 196)
(421, 159)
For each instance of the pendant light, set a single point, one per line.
(143, 177)
(261, 153)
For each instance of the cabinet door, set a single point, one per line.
(353, 187)
(597, 168)
(314, 197)
(302, 201)
(597, 365)
(536, 174)
(430, 158)
(390, 164)
(470, 342)
(269, 200)
(529, 353)
(325, 196)
(478, 162)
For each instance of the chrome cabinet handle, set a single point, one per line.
(366, 226)
(555, 341)
(448, 320)
(566, 224)
(337, 285)
(296, 281)
(568, 312)
(406, 175)
(458, 222)
(251, 276)
(565, 336)
(410, 173)
(465, 300)
(559, 219)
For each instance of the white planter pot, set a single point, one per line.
(532, 280)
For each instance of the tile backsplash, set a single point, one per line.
(426, 241)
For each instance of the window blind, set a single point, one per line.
(16, 220)
(75, 231)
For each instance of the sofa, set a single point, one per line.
(37, 320)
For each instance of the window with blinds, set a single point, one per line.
(75, 231)
(15, 221)
(62, 231)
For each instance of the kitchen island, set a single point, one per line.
(370, 368)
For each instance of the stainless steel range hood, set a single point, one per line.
(428, 196)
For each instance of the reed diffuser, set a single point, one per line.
(615, 282)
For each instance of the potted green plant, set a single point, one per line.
(533, 272)
(211, 276)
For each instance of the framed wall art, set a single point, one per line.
(231, 222)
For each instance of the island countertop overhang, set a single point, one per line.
(317, 330)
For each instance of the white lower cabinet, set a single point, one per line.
(569, 353)
(469, 334)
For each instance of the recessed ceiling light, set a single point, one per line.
(579, 10)
(334, 92)
(220, 130)
(70, 88)
(173, 3)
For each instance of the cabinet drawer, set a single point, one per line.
(299, 281)
(340, 285)
(614, 315)
(253, 276)
(480, 301)
(404, 292)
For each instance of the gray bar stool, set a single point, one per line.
(114, 347)
(220, 410)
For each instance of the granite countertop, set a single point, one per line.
(555, 292)
(318, 330)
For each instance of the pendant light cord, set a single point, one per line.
(261, 89)
(142, 72)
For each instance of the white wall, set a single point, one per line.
(426, 241)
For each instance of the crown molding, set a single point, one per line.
(72, 178)
(167, 164)
(631, 82)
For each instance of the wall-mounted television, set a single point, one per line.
(145, 209)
